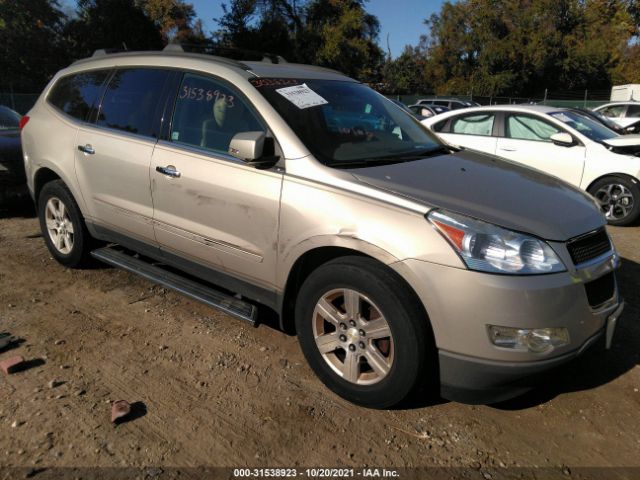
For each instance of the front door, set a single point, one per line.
(209, 207)
(527, 141)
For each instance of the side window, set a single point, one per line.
(208, 114)
(76, 94)
(524, 127)
(439, 127)
(131, 100)
(613, 111)
(633, 111)
(476, 124)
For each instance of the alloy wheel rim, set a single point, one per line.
(616, 201)
(353, 336)
(59, 225)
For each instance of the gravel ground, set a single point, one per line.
(213, 391)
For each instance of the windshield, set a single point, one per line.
(345, 123)
(589, 128)
(9, 119)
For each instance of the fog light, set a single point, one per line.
(536, 340)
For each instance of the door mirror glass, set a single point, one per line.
(247, 146)
(563, 139)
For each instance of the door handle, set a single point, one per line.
(88, 149)
(169, 171)
(508, 149)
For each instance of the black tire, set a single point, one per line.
(412, 366)
(614, 213)
(82, 242)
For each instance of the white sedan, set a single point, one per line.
(623, 113)
(559, 142)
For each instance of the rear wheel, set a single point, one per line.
(619, 199)
(363, 332)
(63, 227)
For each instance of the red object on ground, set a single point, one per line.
(119, 409)
(10, 365)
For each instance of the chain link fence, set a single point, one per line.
(577, 98)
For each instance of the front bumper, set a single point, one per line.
(461, 303)
(476, 381)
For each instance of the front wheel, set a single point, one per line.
(619, 199)
(363, 332)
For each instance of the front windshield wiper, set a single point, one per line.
(396, 158)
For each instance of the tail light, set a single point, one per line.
(23, 121)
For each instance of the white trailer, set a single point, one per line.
(624, 93)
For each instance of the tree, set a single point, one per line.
(405, 74)
(519, 47)
(30, 43)
(175, 19)
(111, 24)
(335, 33)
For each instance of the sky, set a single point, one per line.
(402, 20)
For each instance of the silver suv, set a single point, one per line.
(404, 265)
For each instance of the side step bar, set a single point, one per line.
(191, 288)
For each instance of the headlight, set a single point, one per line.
(489, 248)
(536, 340)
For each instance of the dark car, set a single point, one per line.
(426, 111)
(12, 174)
(450, 103)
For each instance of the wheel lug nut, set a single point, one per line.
(352, 347)
(352, 323)
(343, 338)
(343, 326)
(361, 344)
(362, 333)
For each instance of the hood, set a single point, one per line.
(623, 141)
(491, 189)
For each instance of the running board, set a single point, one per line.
(191, 288)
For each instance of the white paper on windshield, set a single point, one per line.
(302, 96)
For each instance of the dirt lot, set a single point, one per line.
(218, 392)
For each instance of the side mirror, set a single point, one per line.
(247, 146)
(562, 139)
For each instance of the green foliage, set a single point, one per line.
(338, 34)
(518, 47)
(175, 19)
(31, 47)
(111, 24)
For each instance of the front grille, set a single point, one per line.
(601, 289)
(589, 246)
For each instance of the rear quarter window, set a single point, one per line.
(76, 94)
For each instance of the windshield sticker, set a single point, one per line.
(562, 117)
(302, 96)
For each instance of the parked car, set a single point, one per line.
(557, 141)
(632, 128)
(427, 111)
(12, 175)
(404, 265)
(409, 110)
(623, 113)
(450, 103)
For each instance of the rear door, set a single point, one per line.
(472, 130)
(527, 140)
(113, 154)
